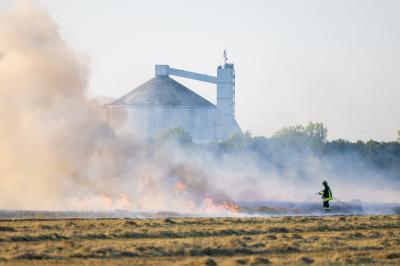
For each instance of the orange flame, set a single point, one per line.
(108, 202)
(180, 186)
(210, 203)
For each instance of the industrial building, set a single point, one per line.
(163, 103)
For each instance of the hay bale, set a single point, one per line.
(210, 262)
(7, 229)
(393, 255)
(260, 261)
(271, 237)
(241, 261)
(31, 256)
(297, 236)
(307, 260)
(130, 222)
(279, 230)
(169, 221)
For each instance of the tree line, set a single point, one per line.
(294, 143)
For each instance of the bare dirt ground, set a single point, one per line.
(324, 240)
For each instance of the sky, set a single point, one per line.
(335, 62)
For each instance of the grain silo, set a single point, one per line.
(163, 103)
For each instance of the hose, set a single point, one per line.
(345, 204)
(304, 201)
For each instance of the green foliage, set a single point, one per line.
(178, 135)
(312, 136)
(372, 147)
(287, 144)
(290, 132)
(312, 131)
(237, 142)
(317, 131)
(287, 147)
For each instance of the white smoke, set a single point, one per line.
(57, 153)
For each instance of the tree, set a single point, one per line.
(316, 131)
(398, 136)
(312, 134)
(238, 142)
(179, 135)
(300, 138)
(297, 131)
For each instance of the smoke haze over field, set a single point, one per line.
(56, 152)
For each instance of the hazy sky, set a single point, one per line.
(336, 62)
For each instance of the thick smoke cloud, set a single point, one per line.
(49, 132)
(57, 152)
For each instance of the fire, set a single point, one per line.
(107, 201)
(231, 206)
(225, 205)
(122, 202)
(179, 186)
(83, 204)
(208, 204)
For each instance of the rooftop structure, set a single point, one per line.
(163, 103)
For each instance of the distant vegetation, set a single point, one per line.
(312, 139)
(291, 145)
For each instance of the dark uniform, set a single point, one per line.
(326, 195)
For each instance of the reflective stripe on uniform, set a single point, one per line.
(330, 196)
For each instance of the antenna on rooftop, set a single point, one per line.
(225, 56)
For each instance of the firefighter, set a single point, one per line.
(326, 195)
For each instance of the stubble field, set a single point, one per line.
(329, 240)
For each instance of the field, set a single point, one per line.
(300, 240)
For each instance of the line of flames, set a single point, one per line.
(208, 204)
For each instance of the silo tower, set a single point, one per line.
(162, 103)
(225, 122)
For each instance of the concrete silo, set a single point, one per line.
(163, 103)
